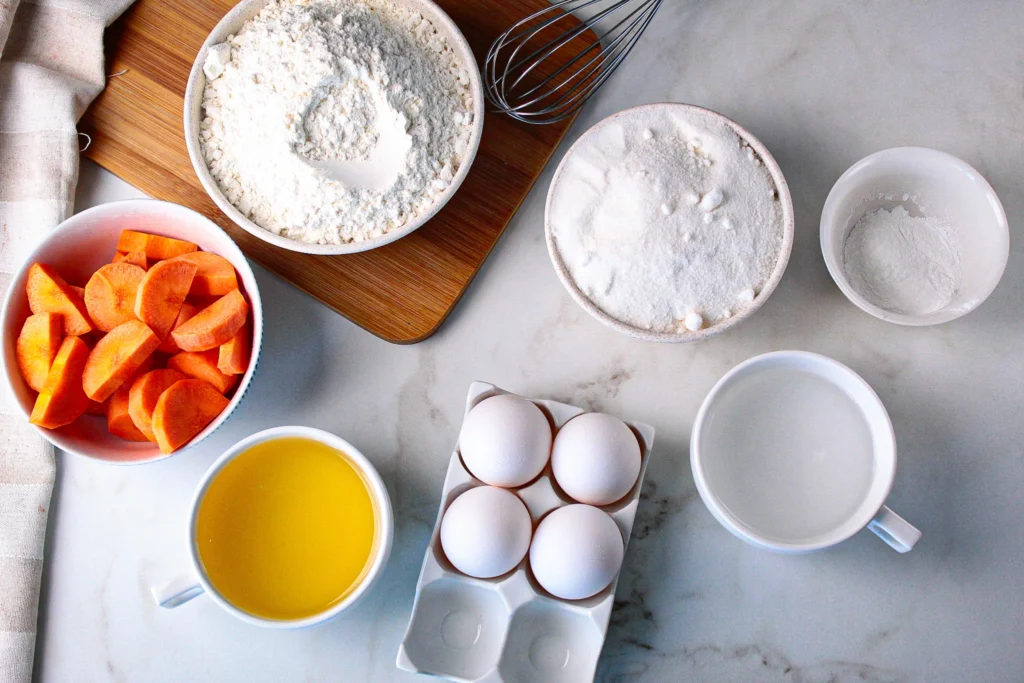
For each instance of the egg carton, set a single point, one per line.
(509, 628)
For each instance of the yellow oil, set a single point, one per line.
(286, 529)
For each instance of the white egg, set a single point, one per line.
(486, 532)
(505, 441)
(596, 458)
(576, 552)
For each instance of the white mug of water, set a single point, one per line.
(794, 452)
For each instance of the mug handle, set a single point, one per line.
(894, 530)
(177, 592)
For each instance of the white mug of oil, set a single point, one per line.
(287, 529)
(794, 452)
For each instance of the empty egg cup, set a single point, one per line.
(509, 628)
(940, 185)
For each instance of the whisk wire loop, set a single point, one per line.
(558, 95)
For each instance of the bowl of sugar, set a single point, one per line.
(914, 236)
(669, 223)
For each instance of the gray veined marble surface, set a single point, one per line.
(822, 84)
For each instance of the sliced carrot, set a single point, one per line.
(80, 291)
(97, 408)
(116, 357)
(203, 365)
(215, 277)
(48, 293)
(161, 293)
(136, 258)
(184, 410)
(62, 400)
(110, 294)
(155, 247)
(119, 421)
(145, 392)
(37, 346)
(187, 312)
(233, 356)
(214, 325)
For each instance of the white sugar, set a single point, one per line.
(692, 266)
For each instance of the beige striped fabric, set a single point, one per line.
(51, 68)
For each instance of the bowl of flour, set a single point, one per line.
(669, 222)
(333, 126)
(914, 236)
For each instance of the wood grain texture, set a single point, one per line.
(401, 292)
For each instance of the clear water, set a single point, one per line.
(788, 453)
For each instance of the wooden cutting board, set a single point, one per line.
(401, 292)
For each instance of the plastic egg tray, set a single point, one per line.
(509, 628)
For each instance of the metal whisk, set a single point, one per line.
(518, 84)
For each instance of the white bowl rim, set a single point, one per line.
(377, 488)
(194, 88)
(785, 249)
(855, 523)
(829, 225)
(255, 302)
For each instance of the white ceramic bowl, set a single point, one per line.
(76, 248)
(231, 24)
(186, 588)
(951, 190)
(681, 110)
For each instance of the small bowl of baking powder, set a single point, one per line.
(669, 222)
(333, 126)
(914, 236)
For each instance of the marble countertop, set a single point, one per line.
(822, 84)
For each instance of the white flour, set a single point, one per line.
(902, 263)
(665, 223)
(335, 121)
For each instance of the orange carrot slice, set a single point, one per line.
(136, 258)
(184, 410)
(214, 325)
(203, 365)
(116, 357)
(233, 356)
(155, 247)
(161, 294)
(97, 408)
(187, 312)
(145, 392)
(110, 294)
(215, 275)
(62, 400)
(48, 293)
(37, 346)
(119, 421)
(80, 291)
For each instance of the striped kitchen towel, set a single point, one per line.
(51, 68)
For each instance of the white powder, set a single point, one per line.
(667, 223)
(335, 121)
(902, 263)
